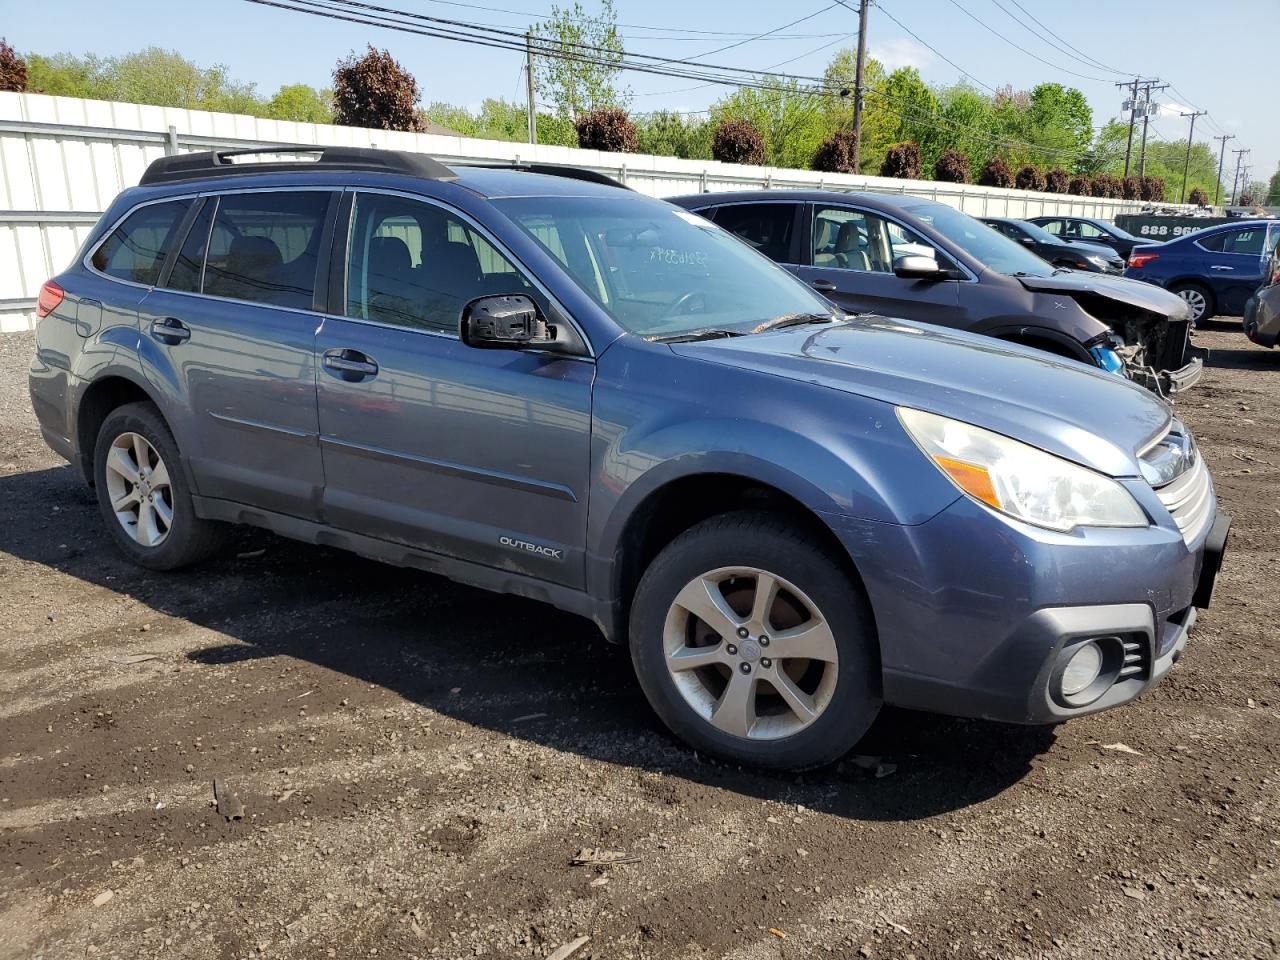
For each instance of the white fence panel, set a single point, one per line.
(62, 161)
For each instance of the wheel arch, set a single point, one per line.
(1043, 338)
(111, 389)
(679, 502)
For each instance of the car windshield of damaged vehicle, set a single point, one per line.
(909, 257)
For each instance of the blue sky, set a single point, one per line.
(1201, 48)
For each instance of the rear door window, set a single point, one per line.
(766, 226)
(1249, 241)
(1053, 226)
(136, 250)
(262, 247)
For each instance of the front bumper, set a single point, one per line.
(977, 614)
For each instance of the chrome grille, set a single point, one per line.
(1189, 499)
(1188, 496)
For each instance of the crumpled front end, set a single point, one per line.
(1155, 350)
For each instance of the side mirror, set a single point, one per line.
(1028, 241)
(509, 322)
(916, 267)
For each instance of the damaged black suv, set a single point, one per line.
(908, 257)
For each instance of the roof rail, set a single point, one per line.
(554, 170)
(223, 163)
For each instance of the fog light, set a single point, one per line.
(1082, 669)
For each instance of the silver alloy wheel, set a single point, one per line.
(750, 653)
(1195, 300)
(138, 486)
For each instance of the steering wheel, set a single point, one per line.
(682, 304)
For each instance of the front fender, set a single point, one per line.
(834, 453)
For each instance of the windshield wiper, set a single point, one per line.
(692, 336)
(793, 320)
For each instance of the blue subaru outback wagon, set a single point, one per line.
(540, 382)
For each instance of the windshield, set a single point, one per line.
(991, 247)
(660, 271)
(1116, 232)
(1040, 234)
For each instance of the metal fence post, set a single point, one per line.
(171, 142)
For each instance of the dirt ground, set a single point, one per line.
(419, 763)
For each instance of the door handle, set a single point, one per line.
(351, 364)
(823, 286)
(1214, 266)
(170, 330)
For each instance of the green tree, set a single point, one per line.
(669, 134)
(969, 124)
(297, 101)
(1273, 189)
(914, 109)
(65, 75)
(573, 86)
(790, 119)
(1059, 120)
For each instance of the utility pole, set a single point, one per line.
(1236, 179)
(1186, 165)
(858, 85)
(528, 76)
(1133, 114)
(1222, 152)
(1148, 108)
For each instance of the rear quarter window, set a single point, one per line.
(137, 248)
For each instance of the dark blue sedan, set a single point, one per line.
(1216, 270)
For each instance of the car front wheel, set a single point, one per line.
(753, 644)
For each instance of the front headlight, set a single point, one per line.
(1019, 480)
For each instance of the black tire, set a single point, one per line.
(189, 539)
(771, 544)
(1210, 304)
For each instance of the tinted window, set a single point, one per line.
(264, 247)
(850, 239)
(1054, 227)
(188, 268)
(1088, 231)
(412, 264)
(659, 270)
(981, 242)
(1213, 241)
(136, 249)
(766, 226)
(1245, 241)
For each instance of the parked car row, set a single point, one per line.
(907, 256)
(539, 382)
(1215, 270)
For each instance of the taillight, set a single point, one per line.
(1138, 260)
(50, 296)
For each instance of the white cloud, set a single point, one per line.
(903, 52)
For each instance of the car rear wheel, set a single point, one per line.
(752, 644)
(143, 494)
(1198, 298)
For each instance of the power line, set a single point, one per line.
(963, 72)
(1053, 40)
(661, 66)
(678, 35)
(739, 43)
(1017, 46)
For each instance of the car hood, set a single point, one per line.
(1134, 293)
(1093, 418)
(1095, 249)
